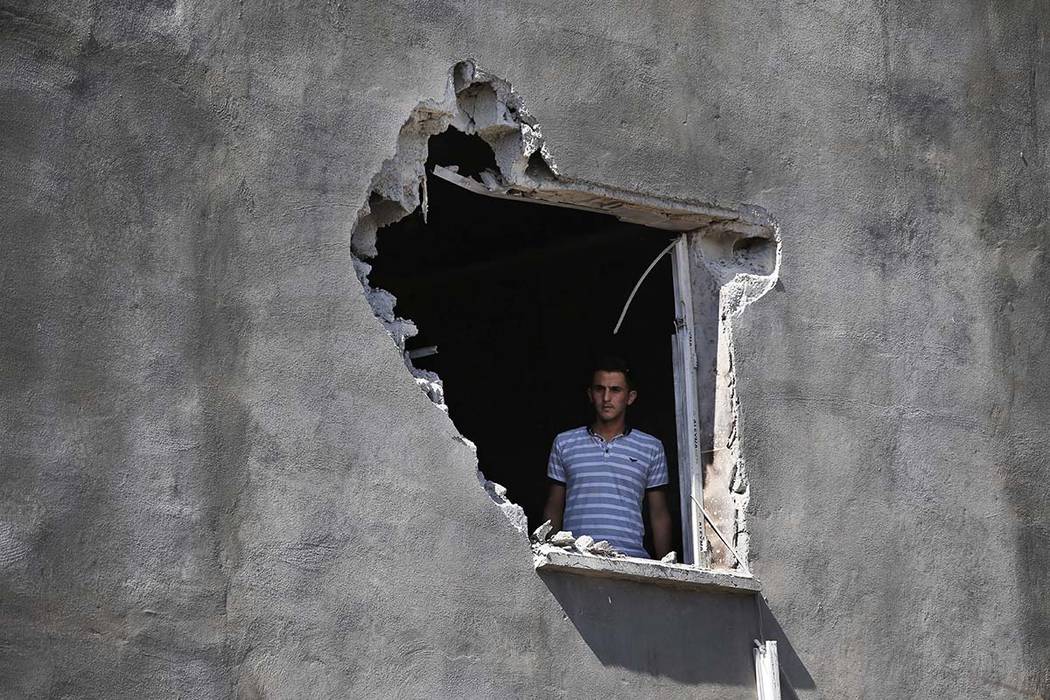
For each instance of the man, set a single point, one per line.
(600, 473)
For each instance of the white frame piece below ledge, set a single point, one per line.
(550, 558)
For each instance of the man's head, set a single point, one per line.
(611, 391)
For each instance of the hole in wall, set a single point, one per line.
(519, 299)
(497, 145)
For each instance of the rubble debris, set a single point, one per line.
(431, 385)
(490, 178)
(562, 539)
(469, 443)
(541, 533)
(670, 558)
(565, 541)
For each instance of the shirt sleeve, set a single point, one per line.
(555, 466)
(657, 473)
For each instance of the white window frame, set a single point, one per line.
(687, 410)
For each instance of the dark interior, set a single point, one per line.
(520, 298)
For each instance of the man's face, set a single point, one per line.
(610, 395)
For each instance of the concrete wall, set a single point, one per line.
(218, 478)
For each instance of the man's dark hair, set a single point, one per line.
(612, 363)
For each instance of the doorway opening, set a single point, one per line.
(513, 301)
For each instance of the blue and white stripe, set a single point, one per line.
(605, 483)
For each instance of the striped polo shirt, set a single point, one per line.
(605, 483)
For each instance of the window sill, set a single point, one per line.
(550, 558)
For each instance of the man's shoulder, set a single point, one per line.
(569, 436)
(643, 438)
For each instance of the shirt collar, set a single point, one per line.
(626, 431)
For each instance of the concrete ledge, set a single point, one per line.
(548, 558)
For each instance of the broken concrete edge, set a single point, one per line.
(745, 273)
(479, 103)
(498, 493)
(744, 279)
(474, 102)
(515, 513)
(400, 330)
(550, 558)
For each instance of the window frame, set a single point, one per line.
(687, 410)
(687, 220)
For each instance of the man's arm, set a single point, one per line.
(555, 508)
(659, 520)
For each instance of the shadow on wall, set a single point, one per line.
(693, 637)
(791, 667)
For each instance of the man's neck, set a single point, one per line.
(608, 431)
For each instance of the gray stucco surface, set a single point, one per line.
(218, 477)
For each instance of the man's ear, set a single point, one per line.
(631, 396)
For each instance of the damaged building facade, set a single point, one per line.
(294, 299)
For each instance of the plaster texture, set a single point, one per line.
(219, 479)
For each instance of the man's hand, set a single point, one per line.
(555, 508)
(659, 520)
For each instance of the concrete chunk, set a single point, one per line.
(562, 539)
(491, 179)
(541, 533)
(584, 542)
(670, 558)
